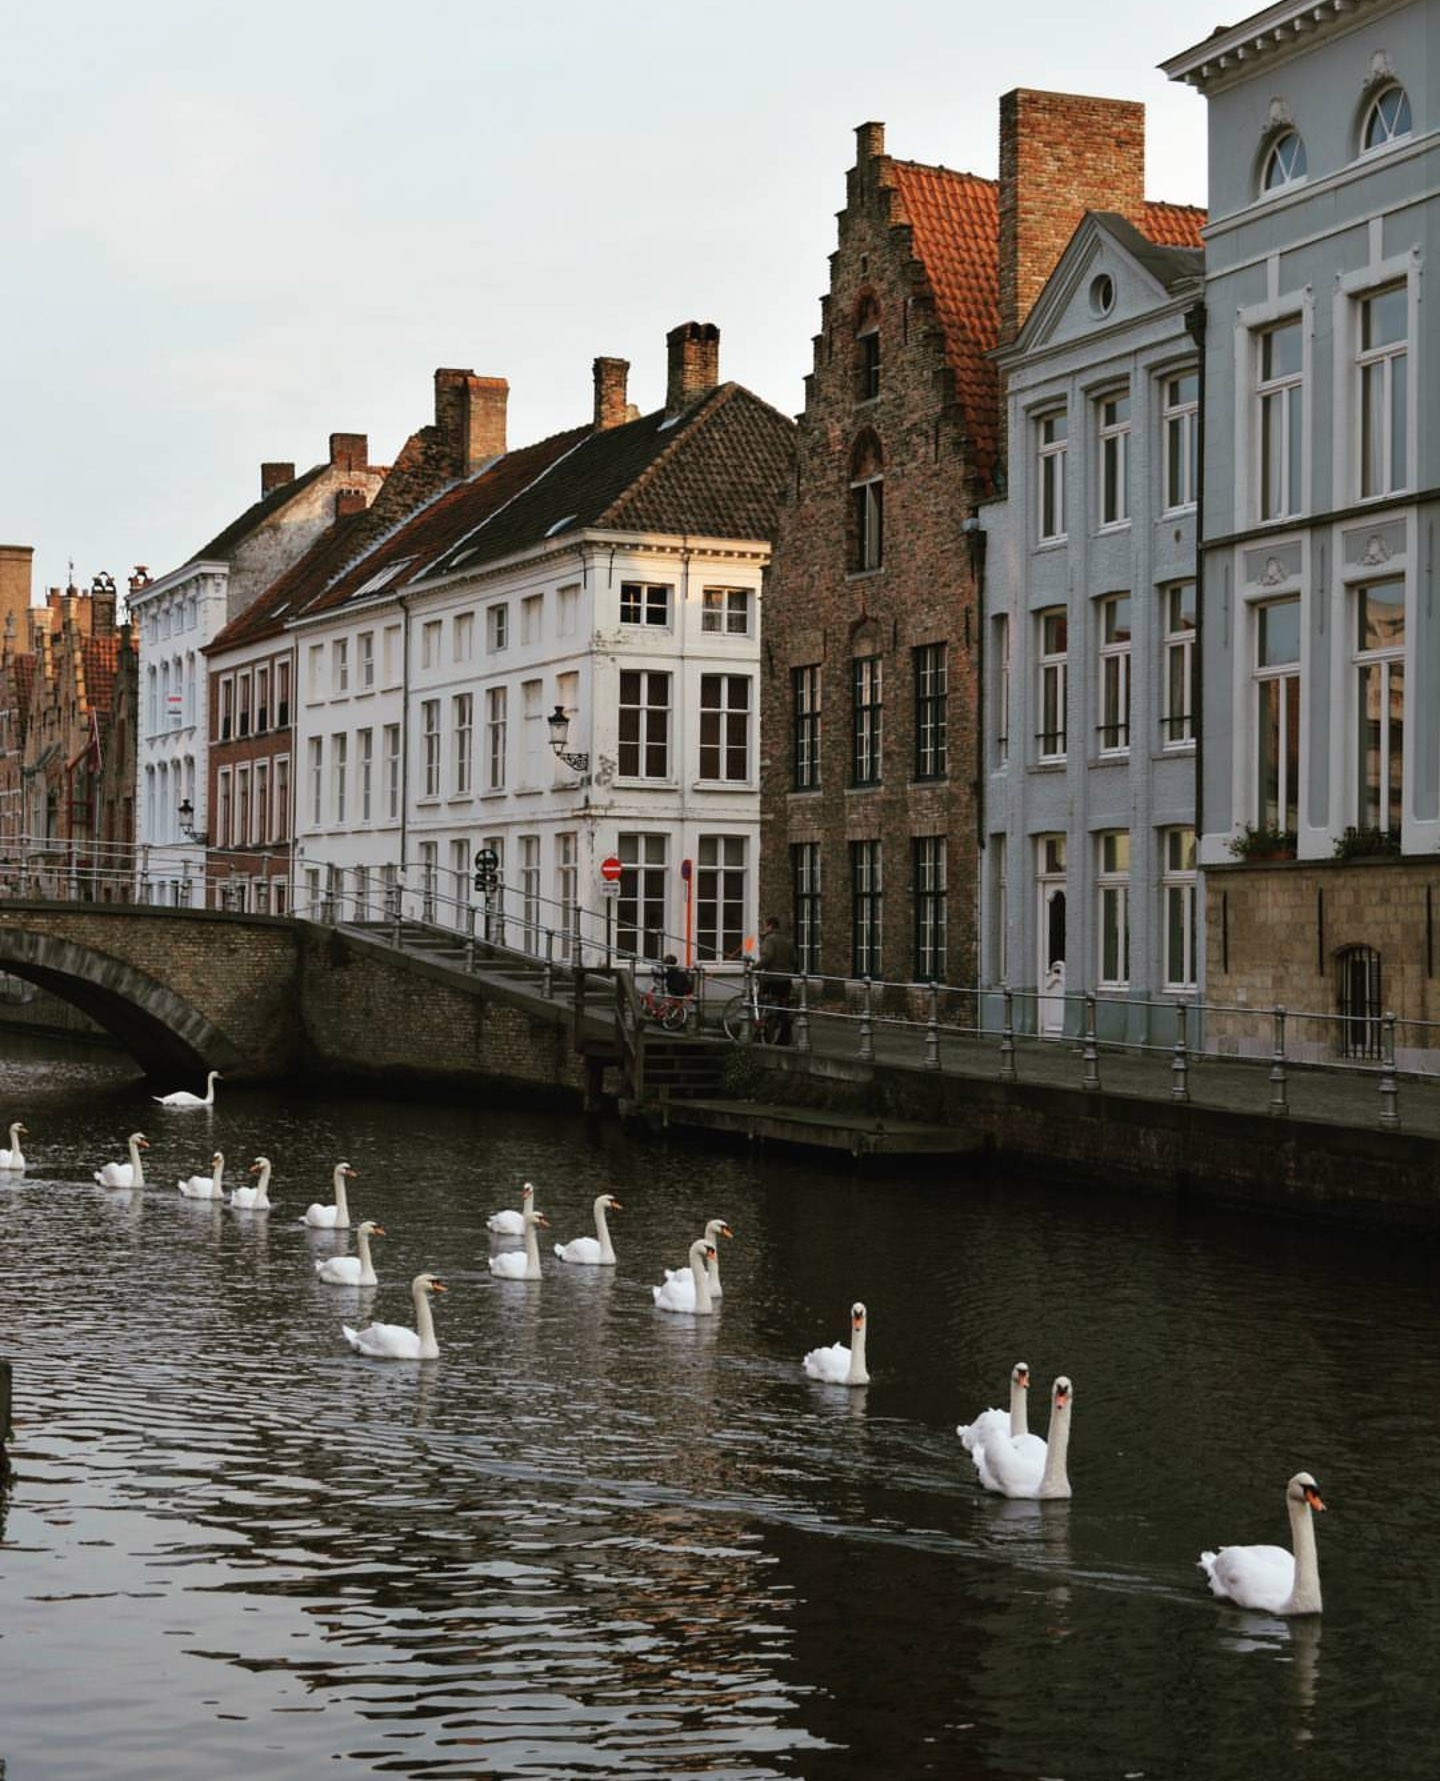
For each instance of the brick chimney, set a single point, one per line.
(1061, 154)
(470, 417)
(694, 364)
(349, 451)
(275, 476)
(16, 561)
(348, 501)
(611, 407)
(102, 605)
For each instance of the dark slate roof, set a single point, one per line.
(224, 544)
(1168, 265)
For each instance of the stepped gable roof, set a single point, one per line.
(224, 544)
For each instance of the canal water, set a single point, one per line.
(595, 1540)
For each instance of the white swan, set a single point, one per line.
(1027, 1466)
(393, 1341)
(688, 1289)
(1268, 1577)
(257, 1198)
(714, 1230)
(593, 1252)
(183, 1098)
(336, 1217)
(14, 1157)
(352, 1270)
(512, 1224)
(131, 1174)
(839, 1365)
(522, 1264)
(206, 1187)
(1013, 1422)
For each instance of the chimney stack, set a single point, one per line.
(611, 407)
(348, 501)
(470, 417)
(694, 364)
(102, 605)
(275, 476)
(349, 451)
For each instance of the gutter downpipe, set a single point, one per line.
(1196, 328)
(404, 603)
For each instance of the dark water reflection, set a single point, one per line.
(592, 1540)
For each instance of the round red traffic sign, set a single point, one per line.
(610, 869)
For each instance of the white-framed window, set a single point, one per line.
(496, 723)
(263, 815)
(459, 879)
(339, 768)
(640, 908)
(1285, 163)
(644, 738)
(999, 909)
(497, 627)
(340, 666)
(224, 808)
(867, 506)
(1054, 682)
(431, 633)
(720, 896)
(1113, 412)
(567, 612)
(365, 653)
(867, 908)
(1387, 119)
(462, 637)
(430, 733)
(805, 899)
(391, 766)
(1180, 912)
(365, 772)
(1277, 714)
(281, 823)
(1379, 670)
(929, 881)
(242, 704)
(532, 618)
(1000, 702)
(393, 648)
(567, 855)
(1053, 434)
(1180, 431)
(314, 668)
(282, 693)
(1177, 718)
(317, 781)
(725, 611)
(529, 872)
(725, 727)
(262, 700)
(1383, 363)
(1280, 393)
(1115, 633)
(462, 711)
(429, 878)
(1112, 885)
(532, 732)
(644, 603)
(226, 718)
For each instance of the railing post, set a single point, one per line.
(1180, 1069)
(932, 1030)
(1090, 1054)
(866, 1053)
(695, 1014)
(1278, 1101)
(1007, 1038)
(548, 974)
(802, 1016)
(1389, 1088)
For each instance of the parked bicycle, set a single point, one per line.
(745, 1019)
(667, 1001)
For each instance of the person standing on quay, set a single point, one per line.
(777, 963)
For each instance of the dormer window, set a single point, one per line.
(1387, 120)
(1285, 164)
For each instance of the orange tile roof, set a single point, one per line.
(1173, 225)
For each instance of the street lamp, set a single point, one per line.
(186, 813)
(559, 726)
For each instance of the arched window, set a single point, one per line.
(1357, 972)
(1285, 162)
(867, 350)
(1387, 120)
(867, 503)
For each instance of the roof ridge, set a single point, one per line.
(586, 435)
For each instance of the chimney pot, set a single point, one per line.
(349, 451)
(348, 501)
(869, 142)
(275, 476)
(694, 364)
(611, 407)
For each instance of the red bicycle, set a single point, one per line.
(667, 1011)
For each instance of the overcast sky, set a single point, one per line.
(231, 227)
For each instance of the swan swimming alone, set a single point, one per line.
(1029, 1467)
(183, 1098)
(596, 1251)
(512, 1224)
(131, 1174)
(393, 1341)
(837, 1364)
(1269, 1578)
(206, 1187)
(337, 1216)
(352, 1270)
(522, 1264)
(1013, 1422)
(14, 1157)
(688, 1289)
(257, 1198)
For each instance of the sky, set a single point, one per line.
(229, 228)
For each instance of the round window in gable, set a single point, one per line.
(1102, 294)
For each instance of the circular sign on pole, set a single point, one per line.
(610, 870)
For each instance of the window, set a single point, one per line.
(462, 711)
(262, 700)
(282, 799)
(1280, 391)
(282, 693)
(1054, 682)
(642, 604)
(928, 864)
(317, 781)
(720, 896)
(394, 648)
(497, 628)
(1277, 714)
(392, 772)
(867, 685)
(365, 769)
(340, 666)
(1180, 414)
(314, 658)
(805, 728)
(224, 811)
(1115, 458)
(1054, 430)
(805, 899)
(1177, 723)
(999, 910)
(365, 653)
(866, 908)
(1001, 704)
(430, 729)
(640, 906)
(1285, 163)
(262, 802)
(1115, 674)
(725, 727)
(530, 892)
(1113, 887)
(867, 506)
(567, 619)
(1357, 970)
(227, 708)
(430, 634)
(242, 704)
(1380, 704)
(532, 732)
(930, 711)
(725, 611)
(1383, 361)
(1387, 120)
(1177, 893)
(532, 614)
(339, 749)
(429, 876)
(867, 352)
(566, 885)
(496, 707)
(644, 739)
(462, 640)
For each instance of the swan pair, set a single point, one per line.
(837, 1364)
(182, 1097)
(14, 1157)
(257, 1198)
(335, 1217)
(131, 1174)
(1008, 1459)
(393, 1341)
(512, 1224)
(206, 1187)
(352, 1270)
(1269, 1578)
(677, 1292)
(523, 1264)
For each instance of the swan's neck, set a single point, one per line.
(342, 1204)
(217, 1173)
(602, 1231)
(1305, 1594)
(362, 1244)
(1055, 1480)
(712, 1270)
(137, 1178)
(262, 1186)
(1019, 1409)
(425, 1325)
(858, 1375)
(700, 1274)
(532, 1252)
